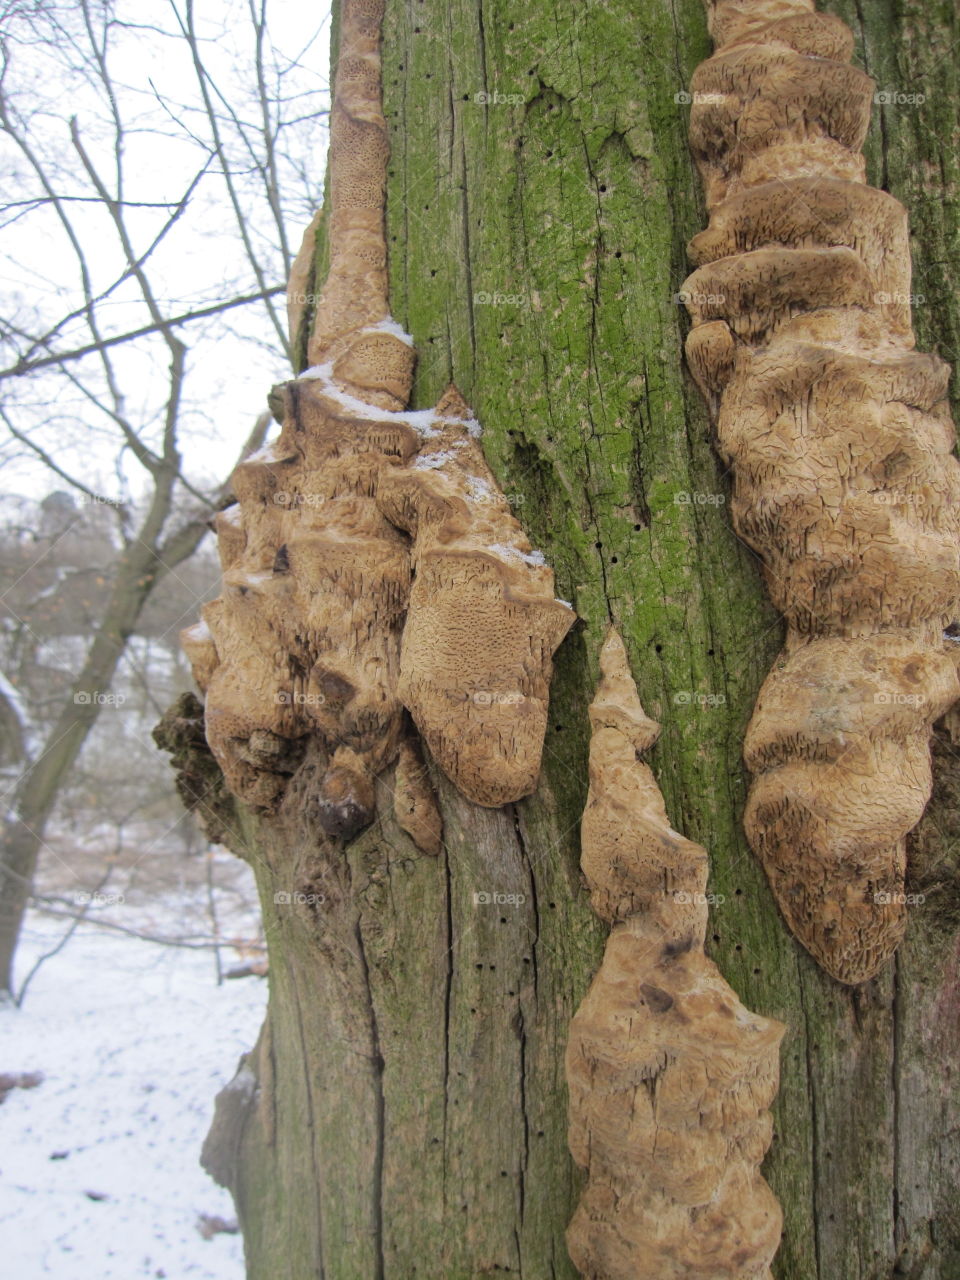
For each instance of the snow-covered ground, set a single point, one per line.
(99, 1172)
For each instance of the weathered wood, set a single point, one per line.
(417, 1103)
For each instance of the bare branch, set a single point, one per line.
(78, 919)
(116, 216)
(52, 907)
(178, 212)
(205, 83)
(202, 313)
(47, 461)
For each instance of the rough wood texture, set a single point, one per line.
(414, 803)
(670, 1077)
(575, 205)
(303, 647)
(841, 440)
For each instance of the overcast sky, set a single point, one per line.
(232, 362)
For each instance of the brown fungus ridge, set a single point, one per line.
(670, 1077)
(845, 483)
(353, 334)
(303, 646)
(482, 623)
(307, 628)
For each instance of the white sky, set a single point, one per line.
(200, 261)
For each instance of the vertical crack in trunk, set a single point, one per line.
(522, 1033)
(377, 1065)
(900, 1231)
(447, 1005)
(316, 1164)
(522, 1028)
(814, 1133)
(532, 882)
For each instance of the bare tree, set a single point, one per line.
(118, 298)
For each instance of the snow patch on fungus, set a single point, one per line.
(200, 648)
(389, 325)
(422, 421)
(266, 453)
(534, 558)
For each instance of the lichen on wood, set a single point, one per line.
(330, 620)
(670, 1077)
(840, 440)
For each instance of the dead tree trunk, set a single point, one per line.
(404, 1113)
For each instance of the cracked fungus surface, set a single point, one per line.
(840, 439)
(670, 1076)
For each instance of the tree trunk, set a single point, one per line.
(410, 1118)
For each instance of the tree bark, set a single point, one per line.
(404, 1113)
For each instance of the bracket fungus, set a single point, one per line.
(670, 1076)
(371, 563)
(840, 441)
(482, 621)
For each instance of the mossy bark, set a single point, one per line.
(411, 1114)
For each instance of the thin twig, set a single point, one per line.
(40, 904)
(48, 955)
(27, 366)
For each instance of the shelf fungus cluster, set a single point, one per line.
(670, 1077)
(839, 438)
(371, 564)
